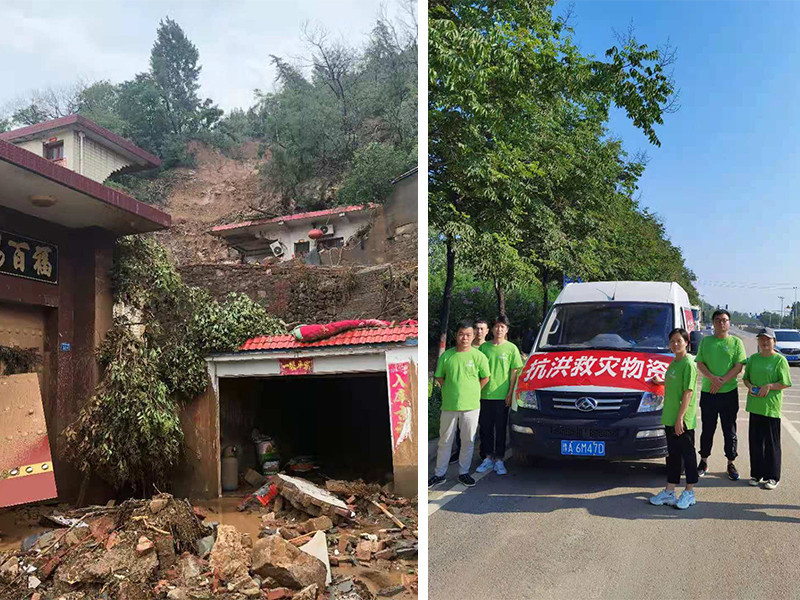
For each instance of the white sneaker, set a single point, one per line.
(770, 484)
(500, 468)
(486, 465)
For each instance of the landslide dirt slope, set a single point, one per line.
(219, 189)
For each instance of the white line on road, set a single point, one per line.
(437, 500)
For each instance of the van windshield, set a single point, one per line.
(787, 336)
(636, 326)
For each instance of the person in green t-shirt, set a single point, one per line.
(481, 331)
(766, 375)
(679, 417)
(504, 364)
(720, 358)
(462, 372)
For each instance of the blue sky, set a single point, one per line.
(48, 43)
(725, 179)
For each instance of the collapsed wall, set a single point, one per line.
(299, 293)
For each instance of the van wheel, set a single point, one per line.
(526, 460)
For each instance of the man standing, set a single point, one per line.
(719, 359)
(481, 331)
(504, 364)
(462, 372)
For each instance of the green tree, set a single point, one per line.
(517, 138)
(100, 103)
(346, 131)
(374, 168)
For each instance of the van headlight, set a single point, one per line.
(651, 402)
(528, 399)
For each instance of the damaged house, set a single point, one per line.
(348, 400)
(58, 225)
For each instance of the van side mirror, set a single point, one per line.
(694, 341)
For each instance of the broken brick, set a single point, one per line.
(144, 546)
(386, 554)
(364, 550)
(101, 527)
(112, 540)
(279, 593)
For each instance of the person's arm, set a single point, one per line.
(716, 382)
(484, 381)
(771, 387)
(439, 380)
(733, 373)
(511, 381)
(685, 400)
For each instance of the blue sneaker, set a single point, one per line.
(686, 499)
(486, 465)
(664, 497)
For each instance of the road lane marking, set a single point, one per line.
(792, 430)
(437, 500)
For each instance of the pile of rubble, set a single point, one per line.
(312, 545)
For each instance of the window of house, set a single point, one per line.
(54, 151)
(301, 248)
(330, 243)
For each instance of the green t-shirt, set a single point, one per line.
(719, 356)
(503, 358)
(681, 375)
(761, 370)
(462, 373)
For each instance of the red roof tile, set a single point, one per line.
(306, 215)
(353, 337)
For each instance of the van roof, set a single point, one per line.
(624, 291)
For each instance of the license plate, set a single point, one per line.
(583, 448)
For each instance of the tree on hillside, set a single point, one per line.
(46, 104)
(161, 109)
(342, 134)
(99, 102)
(518, 145)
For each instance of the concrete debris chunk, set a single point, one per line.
(290, 567)
(307, 497)
(9, 569)
(158, 504)
(230, 556)
(307, 593)
(318, 547)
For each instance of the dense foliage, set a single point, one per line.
(353, 124)
(129, 432)
(525, 180)
(337, 133)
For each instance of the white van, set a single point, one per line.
(585, 389)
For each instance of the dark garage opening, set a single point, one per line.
(340, 420)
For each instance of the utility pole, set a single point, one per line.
(781, 321)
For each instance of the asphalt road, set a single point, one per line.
(579, 530)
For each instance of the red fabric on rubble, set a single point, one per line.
(312, 333)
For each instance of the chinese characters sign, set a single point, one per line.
(297, 366)
(25, 257)
(593, 367)
(399, 403)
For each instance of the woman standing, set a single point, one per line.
(504, 364)
(766, 375)
(679, 418)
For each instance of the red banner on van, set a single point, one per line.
(594, 367)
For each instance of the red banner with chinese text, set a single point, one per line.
(399, 403)
(604, 368)
(296, 366)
